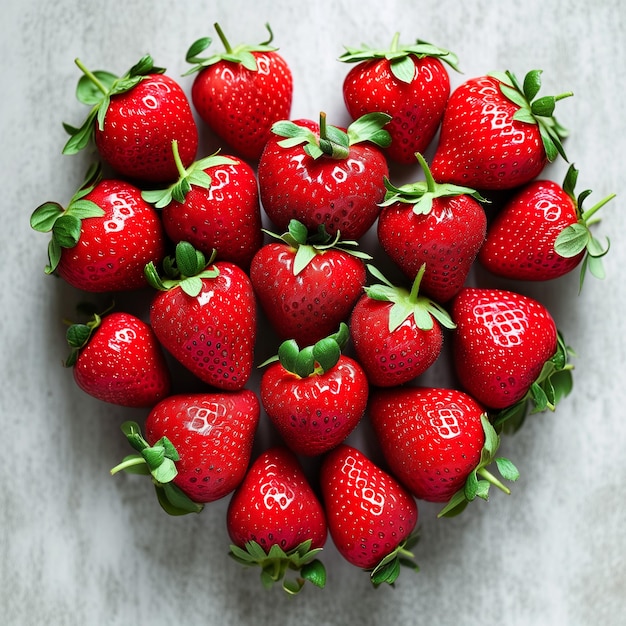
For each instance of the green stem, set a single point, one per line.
(91, 76)
(222, 37)
(182, 172)
(430, 181)
(323, 131)
(595, 208)
(130, 462)
(486, 474)
(416, 284)
(567, 94)
(394, 42)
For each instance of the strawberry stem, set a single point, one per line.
(596, 207)
(430, 181)
(179, 164)
(91, 76)
(487, 475)
(129, 462)
(222, 37)
(416, 284)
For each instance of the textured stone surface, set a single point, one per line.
(82, 548)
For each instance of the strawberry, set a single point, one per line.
(276, 521)
(241, 92)
(495, 133)
(322, 174)
(118, 359)
(371, 516)
(507, 351)
(205, 316)
(408, 82)
(315, 397)
(214, 205)
(103, 239)
(197, 447)
(307, 283)
(438, 224)
(543, 233)
(396, 333)
(439, 444)
(133, 120)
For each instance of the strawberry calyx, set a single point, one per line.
(408, 303)
(241, 53)
(96, 88)
(577, 237)
(399, 56)
(389, 568)
(65, 223)
(78, 334)
(534, 110)
(308, 245)
(276, 562)
(422, 193)
(159, 462)
(480, 479)
(333, 142)
(185, 269)
(554, 382)
(313, 360)
(194, 175)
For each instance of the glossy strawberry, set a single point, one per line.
(321, 174)
(214, 206)
(197, 447)
(118, 359)
(371, 517)
(507, 349)
(276, 521)
(241, 92)
(396, 333)
(314, 396)
(495, 133)
(437, 224)
(307, 283)
(543, 233)
(134, 119)
(105, 236)
(439, 444)
(407, 81)
(205, 316)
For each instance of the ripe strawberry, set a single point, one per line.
(104, 238)
(440, 225)
(241, 92)
(276, 521)
(205, 316)
(495, 134)
(307, 284)
(507, 350)
(543, 233)
(438, 443)
(197, 447)
(396, 333)
(321, 174)
(371, 517)
(408, 82)
(117, 358)
(214, 206)
(133, 121)
(315, 397)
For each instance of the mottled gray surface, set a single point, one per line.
(82, 548)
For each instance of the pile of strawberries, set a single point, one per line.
(349, 342)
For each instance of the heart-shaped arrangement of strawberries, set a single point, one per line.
(185, 235)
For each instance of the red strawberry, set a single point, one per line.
(104, 238)
(440, 225)
(241, 92)
(134, 119)
(118, 359)
(321, 174)
(495, 134)
(507, 349)
(276, 521)
(408, 82)
(315, 397)
(438, 443)
(205, 316)
(197, 447)
(396, 332)
(214, 206)
(307, 284)
(543, 233)
(371, 517)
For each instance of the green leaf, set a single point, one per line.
(304, 255)
(66, 230)
(174, 502)
(507, 469)
(191, 285)
(326, 352)
(532, 84)
(403, 68)
(45, 215)
(84, 209)
(369, 127)
(315, 573)
(572, 240)
(90, 92)
(288, 353)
